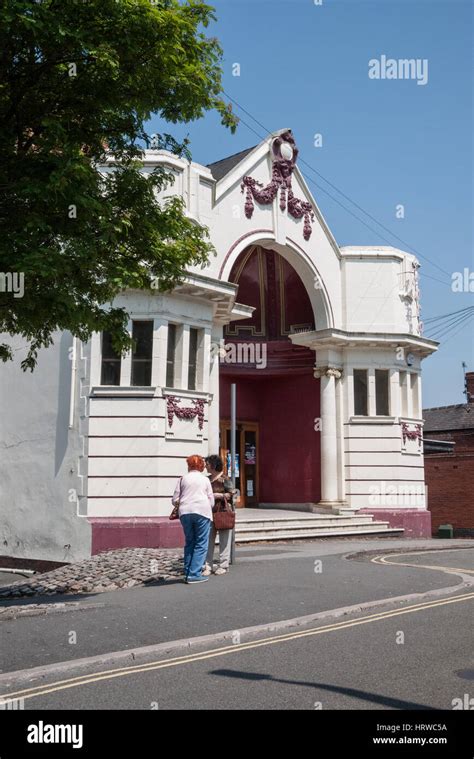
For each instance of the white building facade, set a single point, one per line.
(323, 343)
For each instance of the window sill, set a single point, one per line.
(119, 391)
(372, 420)
(185, 393)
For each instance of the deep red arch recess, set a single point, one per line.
(283, 397)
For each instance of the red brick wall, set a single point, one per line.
(450, 480)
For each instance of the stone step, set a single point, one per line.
(345, 512)
(295, 524)
(374, 529)
(301, 517)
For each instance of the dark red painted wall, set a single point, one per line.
(289, 456)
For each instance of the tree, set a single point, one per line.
(78, 81)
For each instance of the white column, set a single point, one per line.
(420, 399)
(329, 457)
(160, 343)
(126, 372)
(182, 358)
(409, 397)
(204, 360)
(395, 390)
(371, 400)
(340, 441)
(96, 359)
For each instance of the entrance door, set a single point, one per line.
(246, 448)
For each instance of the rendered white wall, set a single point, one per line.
(39, 462)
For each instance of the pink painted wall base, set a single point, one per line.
(136, 532)
(415, 522)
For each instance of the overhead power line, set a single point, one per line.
(431, 319)
(442, 329)
(344, 195)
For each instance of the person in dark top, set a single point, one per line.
(222, 489)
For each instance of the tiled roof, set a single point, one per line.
(220, 168)
(459, 417)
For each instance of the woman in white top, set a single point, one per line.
(194, 495)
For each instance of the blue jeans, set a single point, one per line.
(196, 532)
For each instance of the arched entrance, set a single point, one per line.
(277, 395)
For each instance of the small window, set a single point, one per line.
(170, 355)
(142, 352)
(404, 393)
(111, 362)
(381, 392)
(192, 365)
(360, 392)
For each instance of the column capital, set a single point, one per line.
(327, 371)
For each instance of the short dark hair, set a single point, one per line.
(215, 462)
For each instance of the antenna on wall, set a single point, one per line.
(465, 391)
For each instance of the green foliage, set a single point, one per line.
(78, 81)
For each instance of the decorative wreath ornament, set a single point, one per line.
(285, 154)
(185, 412)
(409, 434)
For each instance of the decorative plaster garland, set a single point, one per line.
(408, 434)
(282, 169)
(185, 412)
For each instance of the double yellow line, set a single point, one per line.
(74, 682)
(448, 570)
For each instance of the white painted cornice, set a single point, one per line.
(338, 338)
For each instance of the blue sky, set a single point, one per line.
(384, 142)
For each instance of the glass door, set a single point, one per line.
(250, 466)
(246, 465)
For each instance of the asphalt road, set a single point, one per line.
(412, 657)
(268, 584)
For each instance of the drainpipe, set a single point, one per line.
(73, 383)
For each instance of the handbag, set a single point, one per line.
(175, 512)
(224, 517)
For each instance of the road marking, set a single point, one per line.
(449, 570)
(42, 690)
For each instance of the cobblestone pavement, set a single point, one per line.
(106, 571)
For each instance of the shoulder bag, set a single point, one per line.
(175, 512)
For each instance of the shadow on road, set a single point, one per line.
(376, 698)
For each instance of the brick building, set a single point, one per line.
(449, 463)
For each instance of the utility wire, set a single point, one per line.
(446, 328)
(445, 316)
(459, 330)
(410, 247)
(322, 189)
(348, 210)
(461, 317)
